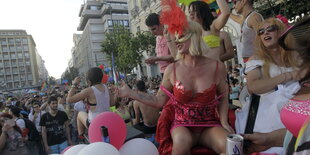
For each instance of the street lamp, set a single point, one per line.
(113, 63)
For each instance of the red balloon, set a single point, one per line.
(105, 78)
(101, 67)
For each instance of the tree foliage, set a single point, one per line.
(127, 48)
(70, 74)
(289, 8)
(51, 80)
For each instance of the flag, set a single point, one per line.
(44, 86)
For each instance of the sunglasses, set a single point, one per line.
(271, 28)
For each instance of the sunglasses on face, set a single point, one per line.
(271, 28)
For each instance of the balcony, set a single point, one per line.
(134, 11)
(145, 4)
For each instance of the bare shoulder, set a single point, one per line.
(254, 57)
(87, 91)
(255, 20)
(136, 103)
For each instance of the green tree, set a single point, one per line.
(289, 8)
(70, 74)
(51, 80)
(127, 48)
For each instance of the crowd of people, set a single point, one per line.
(187, 105)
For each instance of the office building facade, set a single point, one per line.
(96, 18)
(19, 59)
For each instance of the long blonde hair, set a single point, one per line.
(287, 58)
(197, 47)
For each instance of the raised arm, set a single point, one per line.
(73, 98)
(222, 89)
(171, 44)
(228, 47)
(157, 101)
(221, 20)
(254, 21)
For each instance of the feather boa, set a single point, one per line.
(173, 16)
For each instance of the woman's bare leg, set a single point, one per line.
(81, 122)
(214, 138)
(183, 140)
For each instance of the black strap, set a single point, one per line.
(90, 104)
(251, 117)
(252, 114)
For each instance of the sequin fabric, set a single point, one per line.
(299, 107)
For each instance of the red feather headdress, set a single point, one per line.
(173, 16)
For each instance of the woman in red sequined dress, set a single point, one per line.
(195, 88)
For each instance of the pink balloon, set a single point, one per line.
(67, 148)
(116, 129)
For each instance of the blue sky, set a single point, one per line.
(50, 22)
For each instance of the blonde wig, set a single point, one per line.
(197, 47)
(287, 58)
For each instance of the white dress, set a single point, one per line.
(270, 104)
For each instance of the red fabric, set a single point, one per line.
(232, 118)
(25, 132)
(245, 60)
(163, 136)
(197, 109)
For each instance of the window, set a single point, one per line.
(20, 62)
(20, 55)
(138, 29)
(114, 22)
(14, 63)
(25, 41)
(22, 77)
(25, 47)
(110, 23)
(27, 55)
(3, 42)
(5, 49)
(8, 77)
(94, 8)
(11, 41)
(17, 40)
(19, 48)
(29, 77)
(126, 23)
(120, 22)
(16, 78)
(28, 69)
(12, 48)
